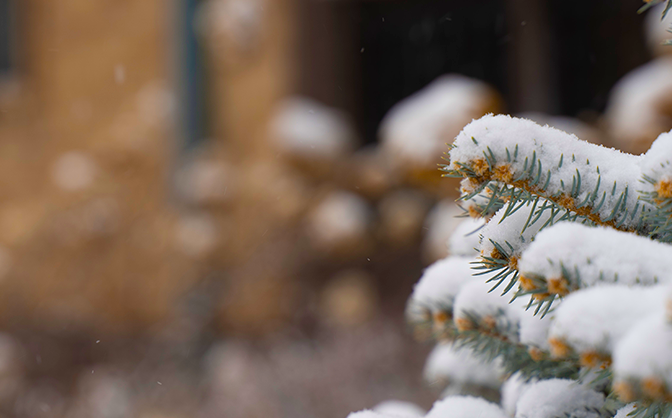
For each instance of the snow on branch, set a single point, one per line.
(461, 367)
(415, 131)
(480, 201)
(568, 256)
(433, 296)
(590, 322)
(368, 414)
(589, 180)
(505, 236)
(566, 221)
(399, 409)
(643, 361)
(555, 398)
(657, 186)
(465, 407)
(465, 238)
(512, 390)
(476, 307)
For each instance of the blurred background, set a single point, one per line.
(218, 208)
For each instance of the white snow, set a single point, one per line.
(508, 232)
(623, 412)
(556, 154)
(302, 127)
(622, 279)
(441, 281)
(657, 30)
(567, 124)
(656, 163)
(476, 300)
(341, 217)
(556, 397)
(512, 389)
(416, 130)
(533, 329)
(511, 317)
(634, 111)
(465, 239)
(400, 409)
(439, 225)
(464, 407)
(367, 414)
(645, 350)
(599, 254)
(597, 318)
(477, 203)
(460, 366)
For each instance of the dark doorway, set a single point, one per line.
(558, 56)
(409, 44)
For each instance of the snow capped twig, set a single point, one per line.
(643, 361)
(591, 321)
(476, 307)
(439, 225)
(557, 398)
(568, 256)
(415, 131)
(465, 239)
(636, 112)
(399, 409)
(534, 329)
(434, 294)
(502, 243)
(586, 179)
(369, 414)
(503, 240)
(657, 186)
(564, 219)
(461, 366)
(512, 390)
(464, 407)
(304, 128)
(478, 200)
(625, 411)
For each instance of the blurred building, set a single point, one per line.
(177, 173)
(86, 134)
(137, 158)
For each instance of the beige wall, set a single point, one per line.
(100, 256)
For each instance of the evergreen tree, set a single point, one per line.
(562, 286)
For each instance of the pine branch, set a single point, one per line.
(585, 179)
(579, 324)
(643, 361)
(509, 233)
(430, 307)
(460, 366)
(516, 357)
(569, 256)
(481, 201)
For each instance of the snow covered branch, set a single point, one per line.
(569, 256)
(588, 180)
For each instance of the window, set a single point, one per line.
(6, 36)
